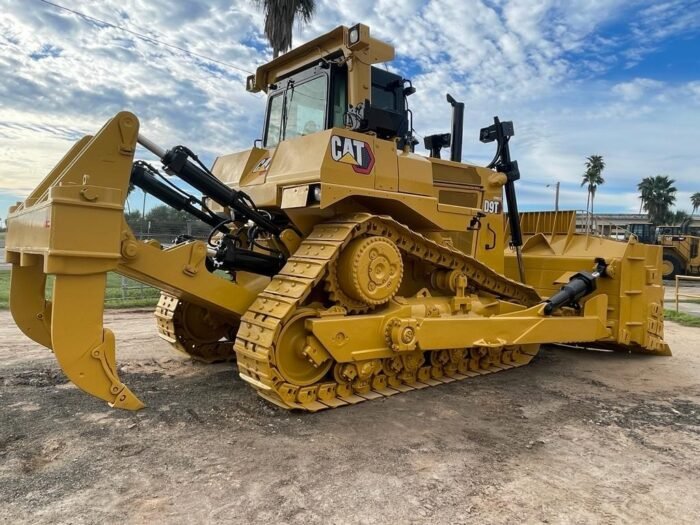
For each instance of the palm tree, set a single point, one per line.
(695, 201)
(658, 195)
(645, 188)
(592, 178)
(279, 20)
(679, 217)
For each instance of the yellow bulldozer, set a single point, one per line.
(342, 266)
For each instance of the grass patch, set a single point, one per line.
(119, 293)
(122, 292)
(132, 303)
(689, 301)
(682, 319)
(4, 289)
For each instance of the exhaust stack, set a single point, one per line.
(457, 129)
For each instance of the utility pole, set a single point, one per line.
(143, 214)
(556, 194)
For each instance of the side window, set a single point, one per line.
(387, 94)
(387, 90)
(274, 121)
(383, 98)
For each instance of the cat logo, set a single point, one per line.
(262, 165)
(357, 153)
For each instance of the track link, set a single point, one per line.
(171, 320)
(287, 292)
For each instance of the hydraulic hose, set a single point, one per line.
(142, 177)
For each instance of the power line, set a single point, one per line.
(144, 37)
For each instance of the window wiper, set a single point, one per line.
(283, 127)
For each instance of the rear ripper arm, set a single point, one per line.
(72, 225)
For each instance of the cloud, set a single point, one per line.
(556, 68)
(636, 89)
(101, 70)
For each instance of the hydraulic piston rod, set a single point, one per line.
(501, 132)
(177, 161)
(142, 177)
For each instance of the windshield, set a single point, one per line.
(302, 106)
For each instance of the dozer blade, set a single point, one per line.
(83, 348)
(553, 251)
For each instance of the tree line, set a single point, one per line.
(657, 194)
(165, 223)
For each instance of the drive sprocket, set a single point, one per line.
(368, 273)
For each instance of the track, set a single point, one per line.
(283, 306)
(194, 331)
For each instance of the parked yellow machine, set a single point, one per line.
(342, 266)
(681, 255)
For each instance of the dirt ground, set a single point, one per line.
(575, 437)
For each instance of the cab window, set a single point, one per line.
(297, 110)
(274, 120)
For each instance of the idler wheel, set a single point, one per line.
(370, 270)
(292, 352)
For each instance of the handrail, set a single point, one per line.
(686, 295)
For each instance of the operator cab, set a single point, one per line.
(644, 232)
(300, 104)
(315, 99)
(315, 87)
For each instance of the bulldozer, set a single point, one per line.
(342, 266)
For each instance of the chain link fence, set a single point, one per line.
(122, 292)
(3, 264)
(165, 232)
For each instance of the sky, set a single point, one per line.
(614, 78)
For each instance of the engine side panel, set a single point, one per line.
(462, 204)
